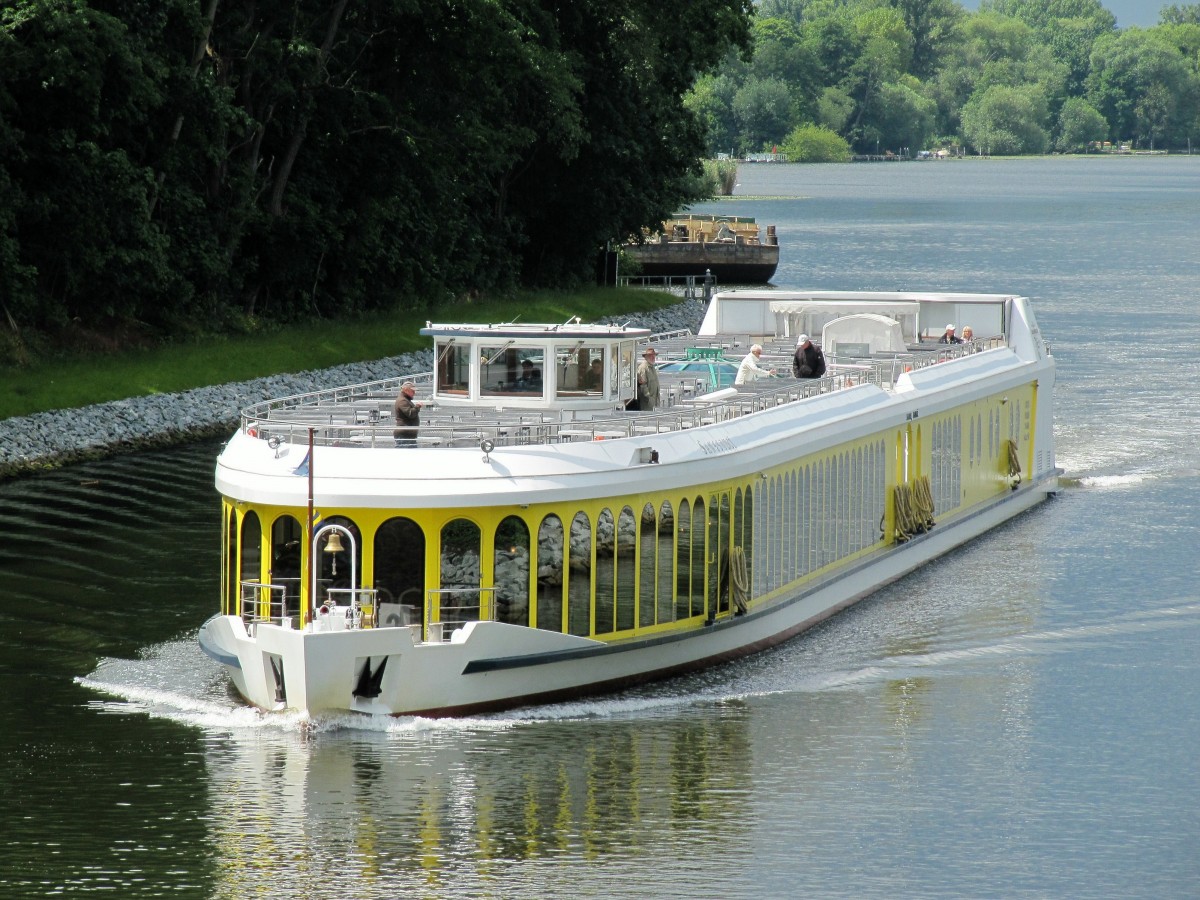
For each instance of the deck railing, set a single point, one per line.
(454, 607)
(360, 415)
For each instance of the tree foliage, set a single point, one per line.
(183, 164)
(813, 143)
(890, 74)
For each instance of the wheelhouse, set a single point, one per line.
(570, 366)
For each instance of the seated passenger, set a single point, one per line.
(593, 378)
(530, 379)
(950, 337)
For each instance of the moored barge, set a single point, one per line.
(733, 249)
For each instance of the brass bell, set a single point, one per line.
(334, 544)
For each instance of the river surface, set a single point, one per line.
(1018, 719)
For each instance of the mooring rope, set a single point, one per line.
(739, 573)
(1014, 463)
(914, 508)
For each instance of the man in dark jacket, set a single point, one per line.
(809, 361)
(408, 416)
(949, 337)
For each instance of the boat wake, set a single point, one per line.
(172, 681)
(1107, 482)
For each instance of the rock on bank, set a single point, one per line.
(29, 444)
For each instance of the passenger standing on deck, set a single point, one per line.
(750, 370)
(808, 361)
(950, 337)
(647, 381)
(408, 415)
(968, 334)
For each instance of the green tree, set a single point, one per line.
(1079, 124)
(1180, 14)
(711, 101)
(763, 110)
(1006, 120)
(174, 163)
(812, 143)
(1143, 87)
(934, 26)
(1068, 28)
(908, 117)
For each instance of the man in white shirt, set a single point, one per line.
(750, 370)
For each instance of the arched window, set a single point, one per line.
(666, 564)
(400, 572)
(460, 575)
(606, 572)
(579, 581)
(511, 571)
(231, 565)
(550, 574)
(250, 560)
(286, 539)
(648, 565)
(697, 605)
(683, 561)
(332, 565)
(718, 546)
(626, 570)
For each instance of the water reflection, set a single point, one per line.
(352, 813)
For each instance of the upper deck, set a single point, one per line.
(519, 385)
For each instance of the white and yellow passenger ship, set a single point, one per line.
(536, 540)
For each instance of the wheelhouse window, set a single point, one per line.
(507, 369)
(627, 367)
(580, 370)
(453, 368)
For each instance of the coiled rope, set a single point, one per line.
(1014, 463)
(914, 508)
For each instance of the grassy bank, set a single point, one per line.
(67, 382)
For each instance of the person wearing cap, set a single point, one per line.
(808, 361)
(950, 337)
(408, 416)
(647, 381)
(750, 370)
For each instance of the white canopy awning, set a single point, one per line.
(867, 331)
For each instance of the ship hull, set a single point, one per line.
(728, 264)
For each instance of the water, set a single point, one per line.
(1018, 719)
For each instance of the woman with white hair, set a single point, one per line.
(750, 370)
